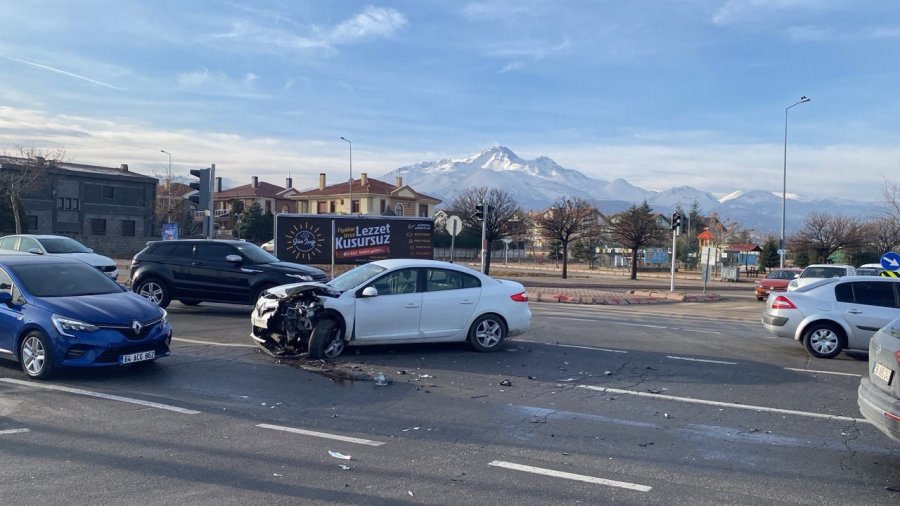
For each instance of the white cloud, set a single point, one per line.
(509, 67)
(372, 22)
(219, 83)
(735, 12)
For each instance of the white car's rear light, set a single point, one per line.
(520, 297)
(782, 302)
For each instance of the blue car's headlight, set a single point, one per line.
(301, 277)
(65, 325)
(165, 315)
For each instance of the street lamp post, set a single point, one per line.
(781, 251)
(351, 173)
(168, 188)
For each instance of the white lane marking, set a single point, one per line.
(701, 360)
(824, 372)
(702, 331)
(568, 346)
(325, 435)
(194, 341)
(641, 325)
(570, 476)
(99, 395)
(575, 319)
(725, 404)
(13, 431)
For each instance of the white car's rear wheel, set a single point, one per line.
(487, 333)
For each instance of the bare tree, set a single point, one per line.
(634, 229)
(17, 177)
(823, 235)
(882, 234)
(569, 219)
(506, 220)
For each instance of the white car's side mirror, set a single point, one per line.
(370, 291)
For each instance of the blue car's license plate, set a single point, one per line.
(137, 357)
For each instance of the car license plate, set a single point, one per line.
(883, 372)
(137, 357)
(260, 321)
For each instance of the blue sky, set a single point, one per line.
(660, 93)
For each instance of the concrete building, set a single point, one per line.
(110, 210)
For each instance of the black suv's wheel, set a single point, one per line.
(35, 355)
(154, 290)
(325, 341)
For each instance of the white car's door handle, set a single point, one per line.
(854, 311)
(467, 301)
(411, 306)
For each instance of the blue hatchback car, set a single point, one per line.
(58, 312)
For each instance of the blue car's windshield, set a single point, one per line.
(355, 277)
(63, 279)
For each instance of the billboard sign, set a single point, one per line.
(321, 239)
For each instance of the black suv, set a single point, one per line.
(195, 271)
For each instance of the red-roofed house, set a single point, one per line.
(370, 196)
(270, 197)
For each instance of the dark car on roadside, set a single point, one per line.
(201, 270)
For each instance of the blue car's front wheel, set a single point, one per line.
(35, 355)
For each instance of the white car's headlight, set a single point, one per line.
(64, 324)
(301, 277)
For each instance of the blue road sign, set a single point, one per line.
(891, 261)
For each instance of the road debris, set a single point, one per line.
(381, 380)
(345, 467)
(506, 383)
(339, 455)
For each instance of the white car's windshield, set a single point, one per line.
(355, 277)
(63, 245)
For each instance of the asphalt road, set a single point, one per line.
(666, 404)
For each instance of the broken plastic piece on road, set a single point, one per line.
(506, 383)
(339, 455)
(345, 467)
(381, 380)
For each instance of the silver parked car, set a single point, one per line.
(832, 314)
(879, 392)
(60, 245)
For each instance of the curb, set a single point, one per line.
(632, 297)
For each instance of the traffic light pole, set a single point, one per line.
(672, 282)
(210, 218)
(484, 234)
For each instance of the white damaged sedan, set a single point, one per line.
(390, 302)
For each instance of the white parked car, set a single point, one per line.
(389, 302)
(61, 245)
(816, 272)
(879, 390)
(832, 314)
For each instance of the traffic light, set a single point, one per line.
(676, 222)
(481, 210)
(201, 198)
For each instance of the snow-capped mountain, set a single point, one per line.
(535, 184)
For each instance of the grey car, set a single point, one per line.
(879, 392)
(832, 314)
